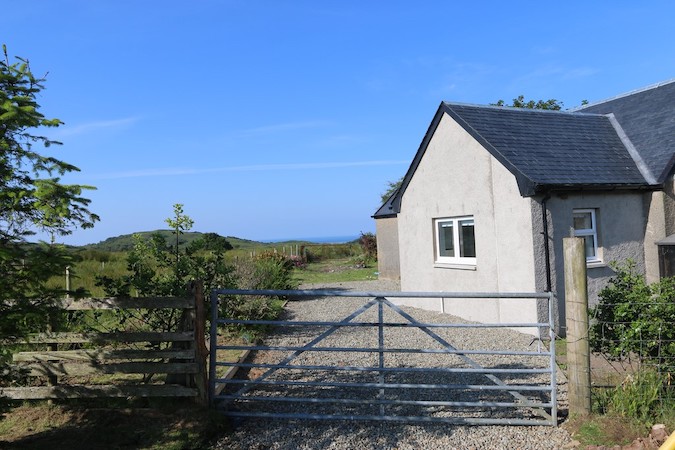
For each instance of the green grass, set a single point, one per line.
(330, 263)
(334, 271)
(83, 274)
(561, 353)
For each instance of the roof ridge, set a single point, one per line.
(517, 109)
(626, 94)
(632, 151)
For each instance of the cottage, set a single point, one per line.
(492, 191)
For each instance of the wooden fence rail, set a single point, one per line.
(182, 357)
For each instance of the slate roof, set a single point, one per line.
(626, 142)
(648, 118)
(546, 149)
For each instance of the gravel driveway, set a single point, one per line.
(287, 434)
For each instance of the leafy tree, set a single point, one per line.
(520, 102)
(157, 268)
(392, 186)
(32, 196)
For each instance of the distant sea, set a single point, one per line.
(317, 240)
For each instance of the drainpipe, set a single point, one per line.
(547, 251)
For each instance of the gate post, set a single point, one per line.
(576, 312)
(201, 352)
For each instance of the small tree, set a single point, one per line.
(520, 102)
(159, 269)
(392, 186)
(32, 198)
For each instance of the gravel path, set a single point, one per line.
(286, 434)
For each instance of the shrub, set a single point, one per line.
(267, 270)
(368, 243)
(246, 307)
(634, 318)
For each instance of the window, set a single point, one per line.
(456, 242)
(585, 226)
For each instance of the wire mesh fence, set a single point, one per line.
(633, 355)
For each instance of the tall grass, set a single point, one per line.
(326, 263)
(83, 274)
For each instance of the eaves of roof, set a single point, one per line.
(544, 150)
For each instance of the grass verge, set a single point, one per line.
(334, 271)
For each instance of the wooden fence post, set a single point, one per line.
(201, 352)
(576, 312)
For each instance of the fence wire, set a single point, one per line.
(635, 357)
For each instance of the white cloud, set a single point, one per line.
(96, 126)
(178, 171)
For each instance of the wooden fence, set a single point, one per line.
(182, 357)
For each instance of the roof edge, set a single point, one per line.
(616, 97)
(526, 185)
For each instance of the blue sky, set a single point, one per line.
(286, 119)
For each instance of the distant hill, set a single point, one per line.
(125, 242)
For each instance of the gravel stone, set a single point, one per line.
(311, 434)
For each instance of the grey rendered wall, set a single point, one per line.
(388, 260)
(655, 204)
(660, 211)
(621, 224)
(458, 177)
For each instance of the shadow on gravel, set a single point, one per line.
(320, 293)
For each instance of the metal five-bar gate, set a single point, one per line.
(361, 356)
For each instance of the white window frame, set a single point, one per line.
(593, 231)
(460, 260)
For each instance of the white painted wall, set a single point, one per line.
(458, 177)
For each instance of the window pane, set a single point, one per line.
(445, 239)
(589, 243)
(467, 241)
(583, 221)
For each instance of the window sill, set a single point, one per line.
(455, 266)
(595, 264)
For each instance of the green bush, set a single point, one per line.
(636, 319)
(267, 270)
(368, 243)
